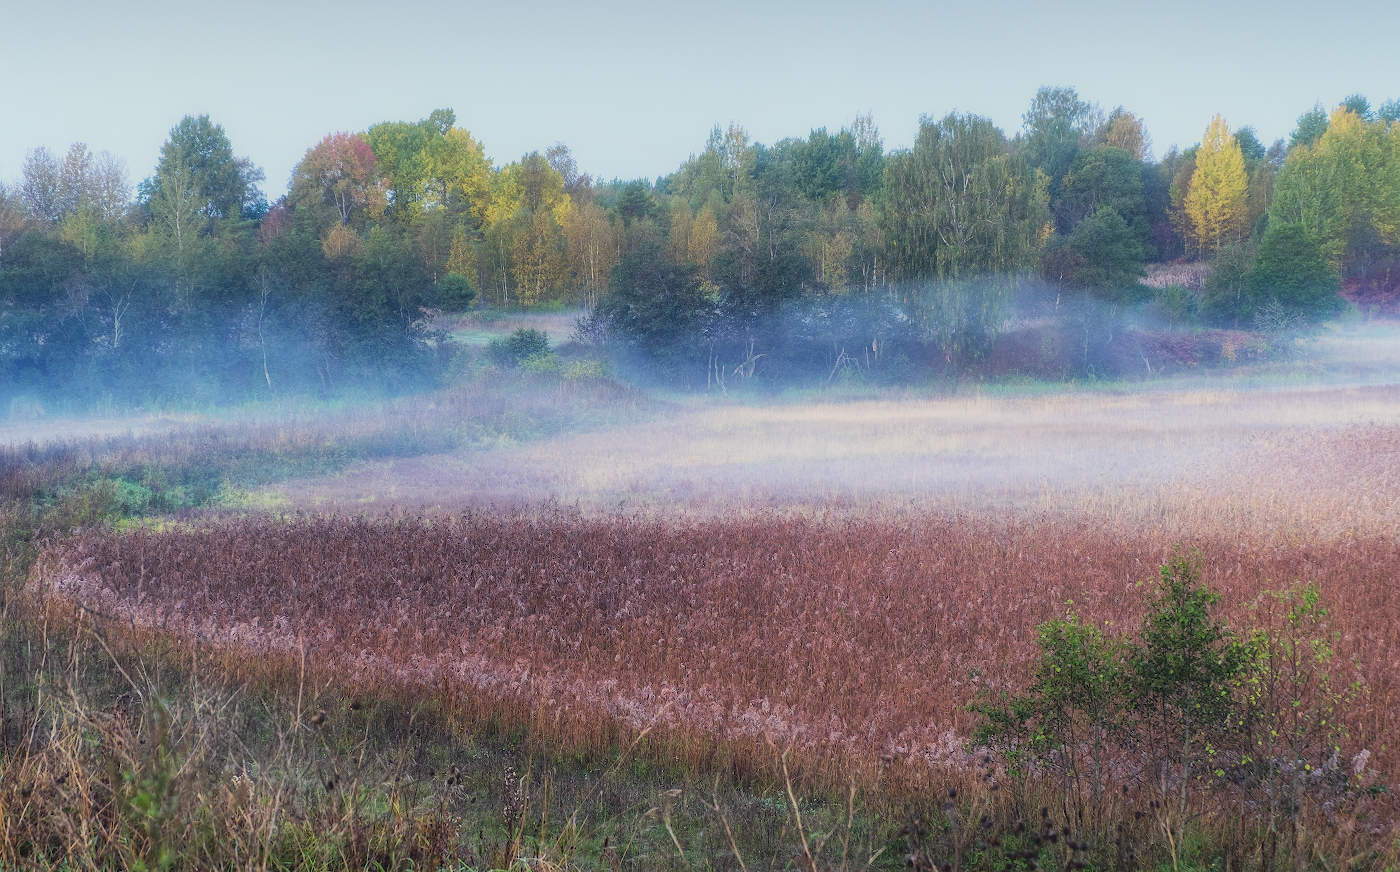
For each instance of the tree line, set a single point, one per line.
(809, 255)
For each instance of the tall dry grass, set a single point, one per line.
(856, 642)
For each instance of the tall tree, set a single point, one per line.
(40, 187)
(338, 177)
(1103, 176)
(1344, 189)
(1217, 199)
(960, 208)
(226, 186)
(1311, 125)
(458, 176)
(1057, 124)
(1122, 129)
(960, 203)
(592, 250)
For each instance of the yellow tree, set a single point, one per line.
(459, 174)
(538, 258)
(704, 240)
(1124, 130)
(592, 249)
(1348, 180)
(1216, 204)
(461, 258)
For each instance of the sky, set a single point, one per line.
(634, 87)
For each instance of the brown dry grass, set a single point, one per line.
(852, 640)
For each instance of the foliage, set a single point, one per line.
(1311, 125)
(960, 204)
(1102, 254)
(1189, 703)
(339, 175)
(656, 309)
(520, 346)
(1216, 201)
(1229, 296)
(198, 154)
(200, 288)
(455, 291)
(1056, 125)
(1292, 272)
(1344, 189)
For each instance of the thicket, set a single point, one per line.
(809, 257)
(1187, 708)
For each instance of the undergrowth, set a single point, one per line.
(1188, 744)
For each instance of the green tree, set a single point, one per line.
(1057, 124)
(1183, 672)
(1228, 298)
(1344, 189)
(657, 309)
(1293, 274)
(1358, 105)
(1311, 125)
(961, 204)
(1103, 176)
(1103, 254)
(961, 215)
(1251, 148)
(412, 158)
(224, 185)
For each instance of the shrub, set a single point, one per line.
(541, 363)
(578, 370)
(1228, 297)
(1189, 706)
(515, 349)
(1178, 303)
(455, 291)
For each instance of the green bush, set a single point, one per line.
(1229, 298)
(540, 364)
(579, 370)
(455, 291)
(1194, 706)
(515, 349)
(1179, 303)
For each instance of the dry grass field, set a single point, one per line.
(827, 583)
(851, 640)
(1296, 464)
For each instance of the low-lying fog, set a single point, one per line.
(1319, 456)
(1312, 445)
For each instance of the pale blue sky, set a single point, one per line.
(634, 87)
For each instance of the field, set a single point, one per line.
(808, 592)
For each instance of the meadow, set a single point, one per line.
(807, 606)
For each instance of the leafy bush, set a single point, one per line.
(541, 363)
(1178, 303)
(578, 370)
(1229, 298)
(1186, 704)
(515, 349)
(1102, 254)
(455, 291)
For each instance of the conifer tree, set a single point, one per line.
(1216, 203)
